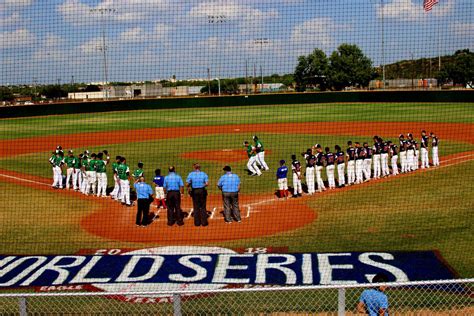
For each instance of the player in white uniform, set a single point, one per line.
(341, 164)
(359, 163)
(310, 170)
(282, 180)
(424, 144)
(367, 162)
(330, 160)
(252, 163)
(434, 149)
(320, 160)
(393, 157)
(351, 156)
(377, 150)
(296, 170)
(403, 153)
(260, 151)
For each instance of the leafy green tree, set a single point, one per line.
(461, 70)
(312, 70)
(6, 94)
(53, 92)
(349, 67)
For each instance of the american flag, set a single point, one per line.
(428, 4)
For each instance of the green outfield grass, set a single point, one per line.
(92, 122)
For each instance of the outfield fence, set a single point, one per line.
(448, 297)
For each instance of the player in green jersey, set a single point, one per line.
(139, 172)
(260, 153)
(115, 194)
(91, 174)
(70, 161)
(252, 163)
(123, 173)
(56, 161)
(77, 176)
(100, 168)
(84, 163)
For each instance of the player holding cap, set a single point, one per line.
(330, 159)
(410, 153)
(282, 180)
(403, 153)
(56, 161)
(260, 153)
(359, 164)
(296, 170)
(101, 173)
(350, 153)
(424, 143)
(310, 166)
(69, 161)
(84, 163)
(123, 173)
(394, 157)
(367, 162)
(377, 150)
(320, 159)
(341, 164)
(252, 163)
(91, 174)
(434, 148)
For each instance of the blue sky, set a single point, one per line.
(51, 40)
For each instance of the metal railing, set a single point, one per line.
(449, 297)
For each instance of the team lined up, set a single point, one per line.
(358, 163)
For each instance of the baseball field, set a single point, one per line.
(420, 211)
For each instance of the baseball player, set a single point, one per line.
(91, 174)
(296, 170)
(434, 149)
(393, 157)
(340, 159)
(115, 194)
(69, 162)
(410, 153)
(123, 173)
(403, 153)
(320, 160)
(252, 163)
(84, 164)
(385, 148)
(158, 181)
(56, 160)
(101, 173)
(377, 150)
(310, 165)
(260, 153)
(77, 175)
(282, 180)
(139, 172)
(351, 155)
(330, 159)
(359, 163)
(367, 162)
(416, 157)
(424, 143)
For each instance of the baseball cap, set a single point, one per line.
(282, 161)
(227, 168)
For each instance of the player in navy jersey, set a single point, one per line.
(310, 169)
(416, 157)
(385, 148)
(367, 162)
(330, 160)
(340, 160)
(393, 157)
(282, 180)
(158, 181)
(434, 149)
(377, 151)
(410, 153)
(359, 164)
(424, 143)
(296, 170)
(403, 146)
(320, 160)
(351, 155)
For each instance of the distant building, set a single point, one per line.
(145, 90)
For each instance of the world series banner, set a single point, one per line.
(219, 269)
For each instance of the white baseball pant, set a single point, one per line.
(282, 184)
(69, 177)
(394, 165)
(377, 171)
(91, 181)
(83, 182)
(57, 177)
(310, 179)
(403, 161)
(101, 184)
(252, 165)
(384, 164)
(125, 191)
(425, 161)
(341, 178)
(116, 191)
(319, 179)
(367, 168)
(410, 160)
(261, 160)
(350, 172)
(76, 178)
(435, 156)
(416, 159)
(359, 168)
(330, 174)
(297, 189)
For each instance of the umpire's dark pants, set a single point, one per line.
(143, 208)
(231, 206)
(199, 204)
(173, 202)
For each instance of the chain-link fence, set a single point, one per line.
(410, 298)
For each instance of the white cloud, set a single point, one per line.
(91, 46)
(9, 4)
(17, 38)
(10, 20)
(316, 32)
(133, 35)
(408, 10)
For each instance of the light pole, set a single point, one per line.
(218, 85)
(383, 47)
(103, 12)
(261, 41)
(217, 20)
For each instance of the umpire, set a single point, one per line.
(196, 182)
(174, 188)
(229, 184)
(144, 197)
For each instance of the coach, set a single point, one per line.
(229, 184)
(144, 195)
(196, 182)
(174, 188)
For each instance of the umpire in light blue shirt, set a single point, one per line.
(144, 198)
(229, 184)
(196, 182)
(174, 188)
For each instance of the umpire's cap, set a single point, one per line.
(227, 168)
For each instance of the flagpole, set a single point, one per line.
(383, 47)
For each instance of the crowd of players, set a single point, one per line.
(359, 163)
